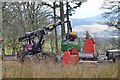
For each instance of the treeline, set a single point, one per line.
(21, 17)
(103, 44)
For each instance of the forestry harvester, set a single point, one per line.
(32, 50)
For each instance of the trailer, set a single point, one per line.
(112, 54)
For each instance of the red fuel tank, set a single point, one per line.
(70, 57)
(66, 58)
(74, 51)
(89, 46)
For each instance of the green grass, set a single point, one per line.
(18, 70)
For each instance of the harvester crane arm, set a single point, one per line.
(43, 31)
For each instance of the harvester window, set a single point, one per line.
(36, 40)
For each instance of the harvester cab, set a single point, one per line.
(71, 36)
(71, 40)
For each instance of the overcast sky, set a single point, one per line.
(88, 9)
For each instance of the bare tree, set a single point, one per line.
(64, 14)
(19, 18)
(62, 19)
(111, 12)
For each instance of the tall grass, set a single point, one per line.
(42, 70)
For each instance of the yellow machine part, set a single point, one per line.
(73, 34)
(50, 27)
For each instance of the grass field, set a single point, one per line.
(13, 69)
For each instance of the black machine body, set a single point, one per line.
(35, 39)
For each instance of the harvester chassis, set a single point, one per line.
(36, 58)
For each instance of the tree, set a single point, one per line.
(53, 7)
(56, 38)
(111, 12)
(21, 17)
(1, 39)
(62, 19)
(65, 13)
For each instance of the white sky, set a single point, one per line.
(92, 28)
(88, 9)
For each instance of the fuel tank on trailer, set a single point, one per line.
(89, 46)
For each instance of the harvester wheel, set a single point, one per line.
(19, 55)
(36, 58)
(27, 59)
(22, 57)
(114, 60)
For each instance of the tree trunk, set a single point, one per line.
(67, 12)
(62, 19)
(56, 39)
(69, 28)
(1, 44)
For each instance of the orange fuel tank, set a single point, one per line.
(89, 46)
(70, 57)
